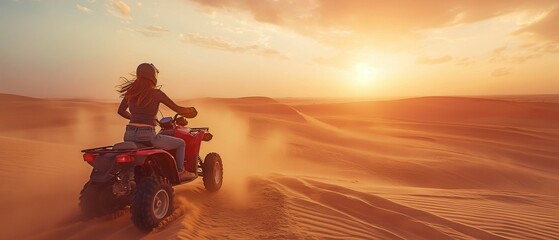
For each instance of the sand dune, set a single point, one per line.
(446, 109)
(422, 168)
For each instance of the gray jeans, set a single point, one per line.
(165, 142)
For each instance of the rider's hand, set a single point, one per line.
(189, 112)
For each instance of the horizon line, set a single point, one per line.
(378, 98)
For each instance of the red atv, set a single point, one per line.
(139, 175)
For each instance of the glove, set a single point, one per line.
(189, 112)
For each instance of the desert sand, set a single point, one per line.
(418, 168)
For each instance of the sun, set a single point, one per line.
(364, 73)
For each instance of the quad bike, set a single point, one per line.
(142, 176)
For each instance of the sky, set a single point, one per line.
(281, 48)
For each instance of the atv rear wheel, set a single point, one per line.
(97, 199)
(152, 201)
(213, 172)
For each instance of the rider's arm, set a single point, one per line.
(188, 112)
(122, 109)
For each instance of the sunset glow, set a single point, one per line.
(364, 73)
(281, 48)
(279, 119)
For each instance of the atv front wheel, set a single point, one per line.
(213, 172)
(152, 201)
(97, 199)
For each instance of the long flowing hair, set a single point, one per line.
(137, 89)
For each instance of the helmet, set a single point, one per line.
(147, 72)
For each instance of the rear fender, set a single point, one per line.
(104, 168)
(164, 161)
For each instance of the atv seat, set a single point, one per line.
(131, 145)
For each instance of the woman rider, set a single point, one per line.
(142, 98)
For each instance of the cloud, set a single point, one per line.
(546, 29)
(498, 54)
(120, 9)
(362, 23)
(466, 61)
(435, 60)
(551, 48)
(522, 53)
(500, 72)
(541, 38)
(151, 31)
(230, 46)
(83, 9)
